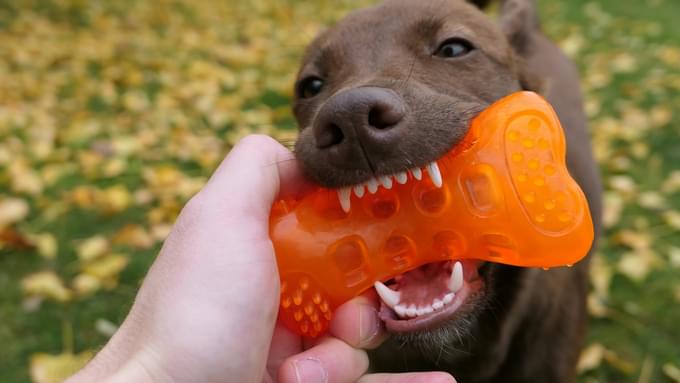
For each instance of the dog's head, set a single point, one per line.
(392, 88)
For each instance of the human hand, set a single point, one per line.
(207, 309)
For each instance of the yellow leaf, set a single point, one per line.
(671, 371)
(651, 200)
(623, 63)
(12, 210)
(115, 198)
(591, 357)
(661, 115)
(47, 368)
(46, 244)
(613, 206)
(672, 218)
(24, 179)
(672, 183)
(107, 268)
(638, 240)
(83, 196)
(46, 284)
(674, 256)
(92, 248)
(134, 236)
(624, 184)
(636, 265)
(85, 284)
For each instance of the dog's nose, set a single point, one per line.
(365, 116)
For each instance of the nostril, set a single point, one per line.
(384, 116)
(330, 136)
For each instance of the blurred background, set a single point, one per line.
(113, 113)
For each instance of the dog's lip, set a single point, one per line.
(420, 285)
(432, 320)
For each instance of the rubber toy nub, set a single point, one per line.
(506, 197)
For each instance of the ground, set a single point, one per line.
(112, 114)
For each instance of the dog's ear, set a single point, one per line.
(519, 22)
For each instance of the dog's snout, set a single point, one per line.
(365, 116)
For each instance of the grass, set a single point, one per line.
(113, 113)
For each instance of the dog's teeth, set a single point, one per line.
(359, 190)
(437, 304)
(427, 310)
(400, 310)
(401, 178)
(448, 298)
(389, 296)
(386, 182)
(435, 175)
(343, 196)
(412, 311)
(417, 173)
(372, 185)
(456, 279)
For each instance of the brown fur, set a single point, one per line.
(528, 324)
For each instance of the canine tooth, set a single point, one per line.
(401, 178)
(437, 304)
(435, 175)
(343, 196)
(372, 185)
(412, 310)
(400, 310)
(448, 298)
(389, 296)
(417, 173)
(386, 181)
(456, 279)
(359, 190)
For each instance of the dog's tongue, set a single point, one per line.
(422, 285)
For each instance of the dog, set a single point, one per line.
(395, 86)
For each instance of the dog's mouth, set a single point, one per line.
(428, 296)
(432, 294)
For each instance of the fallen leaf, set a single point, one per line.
(134, 236)
(46, 244)
(92, 248)
(46, 284)
(613, 206)
(11, 238)
(12, 210)
(652, 200)
(85, 285)
(49, 368)
(671, 371)
(591, 357)
(636, 265)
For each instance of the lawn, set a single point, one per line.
(113, 113)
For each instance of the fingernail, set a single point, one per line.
(310, 370)
(369, 324)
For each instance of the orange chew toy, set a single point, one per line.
(504, 196)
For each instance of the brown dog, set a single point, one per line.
(394, 87)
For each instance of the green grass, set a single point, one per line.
(175, 86)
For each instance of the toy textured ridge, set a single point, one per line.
(503, 194)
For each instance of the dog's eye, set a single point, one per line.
(454, 47)
(309, 87)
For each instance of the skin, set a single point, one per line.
(198, 316)
(525, 325)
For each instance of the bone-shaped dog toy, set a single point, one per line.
(503, 194)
